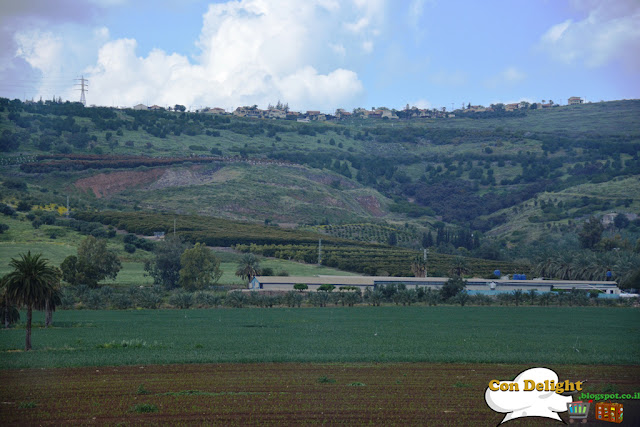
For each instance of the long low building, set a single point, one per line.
(474, 285)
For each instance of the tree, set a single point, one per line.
(452, 288)
(300, 287)
(392, 240)
(53, 299)
(459, 266)
(419, 266)
(326, 288)
(94, 263)
(8, 311)
(517, 296)
(621, 221)
(30, 283)
(165, 268)
(200, 268)
(179, 107)
(591, 233)
(248, 267)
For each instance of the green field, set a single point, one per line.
(543, 335)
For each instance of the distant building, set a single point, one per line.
(274, 113)
(474, 285)
(156, 107)
(140, 107)
(215, 111)
(575, 100)
(511, 107)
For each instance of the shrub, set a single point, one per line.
(235, 299)
(207, 299)
(181, 300)
(95, 300)
(293, 299)
(7, 210)
(147, 298)
(128, 247)
(24, 206)
(130, 238)
(121, 301)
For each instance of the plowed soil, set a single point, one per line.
(108, 184)
(280, 394)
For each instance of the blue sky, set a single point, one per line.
(321, 54)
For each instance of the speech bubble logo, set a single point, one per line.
(519, 399)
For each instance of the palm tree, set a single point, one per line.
(30, 283)
(248, 267)
(459, 266)
(419, 266)
(8, 312)
(53, 300)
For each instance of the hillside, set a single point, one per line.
(476, 183)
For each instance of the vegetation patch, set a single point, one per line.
(144, 408)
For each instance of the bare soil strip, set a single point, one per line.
(282, 394)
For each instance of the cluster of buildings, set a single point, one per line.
(282, 112)
(606, 289)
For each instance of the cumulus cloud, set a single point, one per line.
(610, 32)
(250, 52)
(39, 49)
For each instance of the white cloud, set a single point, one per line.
(510, 76)
(609, 33)
(41, 50)
(422, 104)
(339, 49)
(251, 52)
(513, 75)
(449, 78)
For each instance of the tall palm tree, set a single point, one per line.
(30, 283)
(248, 267)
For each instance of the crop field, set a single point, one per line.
(278, 394)
(550, 335)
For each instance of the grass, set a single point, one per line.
(360, 334)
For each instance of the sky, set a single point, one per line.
(320, 54)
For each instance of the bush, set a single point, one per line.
(130, 238)
(121, 301)
(181, 300)
(24, 206)
(7, 210)
(207, 299)
(67, 299)
(235, 299)
(128, 247)
(147, 298)
(293, 299)
(95, 300)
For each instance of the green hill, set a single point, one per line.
(477, 184)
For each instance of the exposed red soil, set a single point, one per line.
(371, 204)
(108, 184)
(283, 394)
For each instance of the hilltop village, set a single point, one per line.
(282, 112)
